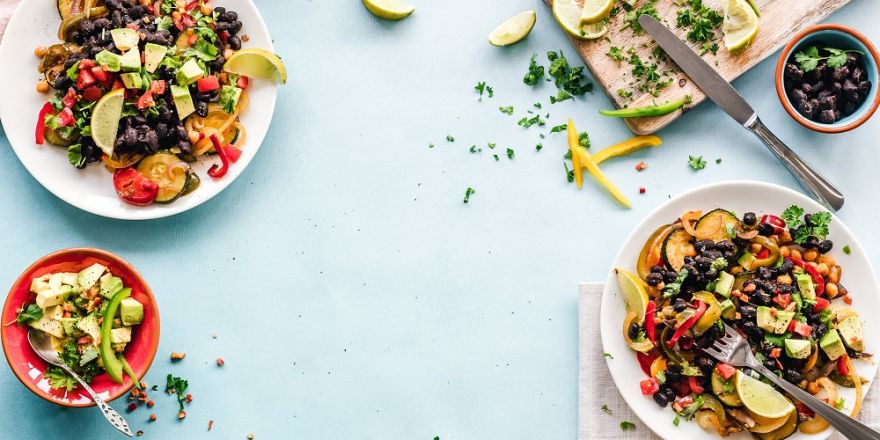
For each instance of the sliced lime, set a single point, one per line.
(761, 398)
(389, 9)
(105, 120)
(514, 29)
(740, 25)
(257, 63)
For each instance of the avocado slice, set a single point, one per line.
(850, 330)
(182, 101)
(773, 320)
(153, 55)
(69, 325)
(48, 325)
(88, 355)
(125, 38)
(131, 312)
(131, 60)
(798, 348)
(109, 60)
(189, 73)
(724, 285)
(49, 298)
(110, 286)
(805, 285)
(832, 345)
(132, 80)
(90, 275)
(112, 364)
(90, 326)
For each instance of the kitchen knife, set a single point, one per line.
(722, 93)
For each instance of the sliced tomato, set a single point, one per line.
(157, 86)
(92, 94)
(208, 84)
(65, 117)
(85, 79)
(821, 304)
(725, 370)
(134, 187)
(145, 101)
(242, 82)
(86, 64)
(783, 299)
(694, 384)
(842, 368)
(70, 98)
(649, 386)
(99, 73)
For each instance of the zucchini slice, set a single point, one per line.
(785, 431)
(66, 8)
(715, 224)
(169, 172)
(730, 398)
(677, 245)
(192, 183)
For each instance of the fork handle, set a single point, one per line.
(846, 425)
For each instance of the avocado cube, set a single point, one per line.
(110, 286)
(49, 298)
(55, 281)
(798, 348)
(805, 285)
(125, 38)
(69, 325)
(48, 325)
(131, 60)
(728, 310)
(747, 260)
(850, 330)
(90, 326)
(153, 55)
(724, 285)
(131, 311)
(832, 345)
(189, 73)
(90, 275)
(40, 284)
(132, 80)
(772, 320)
(109, 60)
(229, 96)
(120, 335)
(182, 101)
(88, 355)
(69, 278)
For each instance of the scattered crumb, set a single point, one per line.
(176, 356)
(642, 190)
(641, 166)
(153, 417)
(210, 424)
(220, 362)
(181, 415)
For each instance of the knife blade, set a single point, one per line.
(700, 72)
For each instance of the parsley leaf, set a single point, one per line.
(535, 73)
(506, 110)
(847, 250)
(558, 128)
(58, 379)
(177, 385)
(31, 313)
(689, 411)
(467, 194)
(539, 147)
(615, 53)
(584, 140)
(510, 153)
(676, 420)
(449, 138)
(631, 18)
(481, 88)
(625, 425)
(792, 216)
(809, 58)
(696, 162)
(608, 355)
(606, 409)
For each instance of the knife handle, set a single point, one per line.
(815, 183)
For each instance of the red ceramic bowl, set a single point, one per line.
(29, 367)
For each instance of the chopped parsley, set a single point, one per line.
(606, 408)
(709, 47)
(838, 403)
(539, 147)
(631, 18)
(701, 20)
(496, 157)
(558, 128)
(809, 58)
(818, 226)
(527, 122)
(474, 149)
(623, 93)
(561, 95)
(674, 287)
(718, 161)
(431, 145)
(608, 355)
(537, 105)
(467, 194)
(792, 216)
(689, 411)
(535, 73)
(481, 88)
(650, 80)
(491, 145)
(847, 250)
(510, 153)
(449, 138)
(625, 425)
(696, 162)
(584, 139)
(31, 313)
(719, 264)
(676, 420)
(58, 379)
(571, 79)
(177, 385)
(615, 53)
(506, 110)
(569, 176)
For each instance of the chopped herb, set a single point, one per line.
(719, 264)
(31, 313)
(584, 139)
(177, 385)
(58, 379)
(606, 409)
(528, 122)
(535, 73)
(467, 194)
(431, 145)
(701, 20)
(689, 411)
(571, 79)
(631, 18)
(696, 162)
(650, 80)
(561, 95)
(608, 355)
(810, 57)
(558, 128)
(474, 149)
(708, 47)
(718, 161)
(510, 153)
(490, 91)
(480, 87)
(776, 340)
(539, 147)
(847, 250)
(496, 157)
(624, 425)
(676, 420)
(615, 53)
(569, 175)
(506, 110)
(838, 403)
(674, 287)
(491, 145)
(624, 93)
(449, 138)
(792, 216)
(537, 105)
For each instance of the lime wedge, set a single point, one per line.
(761, 398)
(105, 120)
(568, 14)
(389, 9)
(257, 63)
(740, 25)
(514, 29)
(632, 288)
(595, 11)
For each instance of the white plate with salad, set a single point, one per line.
(137, 109)
(772, 263)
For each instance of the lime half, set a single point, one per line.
(514, 29)
(257, 63)
(595, 11)
(740, 25)
(568, 14)
(389, 9)
(632, 288)
(761, 398)
(105, 120)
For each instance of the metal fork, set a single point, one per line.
(733, 349)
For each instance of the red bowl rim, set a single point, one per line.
(780, 89)
(152, 349)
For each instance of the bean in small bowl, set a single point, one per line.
(826, 78)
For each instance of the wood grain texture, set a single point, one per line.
(779, 21)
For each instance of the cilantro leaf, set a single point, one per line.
(535, 73)
(31, 313)
(510, 153)
(506, 110)
(558, 128)
(177, 386)
(58, 379)
(606, 409)
(467, 194)
(696, 162)
(674, 287)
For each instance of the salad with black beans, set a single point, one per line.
(146, 88)
(771, 277)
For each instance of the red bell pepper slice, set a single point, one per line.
(725, 370)
(774, 221)
(40, 132)
(216, 171)
(242, 82)
(234, 154)
(821, 304)
(818, 280)
(694, 384)
(650, 327)
(842, 368)
(208, 84)
(69, 99)
(646, 359)
(701, 309)
(649, 386)
(763, 254)
(65, 117)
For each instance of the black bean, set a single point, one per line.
(201, 108)
(762, 298)
(786, 266)
(221, 27)
(852, 59)
(116, 19)
(654, 279)
(750, 218)
(793, 376)
(661, 399)
(137, 11)
(669, 276)
(840, 73)
(113, 4)
(764, 273)
(185, 146)
(825, 246)
(766, 229)
(828, 102)
(793, 72)
(812, 242)
(129, 137)
(770, 364)
(86, 26)
(234, 27)
(807, 109)
(679, 305)
(234, 42)
(748, 311)
(864, 87)
(230, 16)
(849, 107)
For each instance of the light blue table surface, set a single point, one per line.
(352, 293)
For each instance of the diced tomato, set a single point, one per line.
(694, 384)
(804, 410)
(223, 36)
(70, 98)
(645, 360)
(821, 304)
(193, 38)
(84, 79)
(40, 132)
(208, 84)
(65, 117)
(92, 94)
(842, 368)
(133, 187)
(649, 386)
(145, 101)
(800, 328)
(685, 400)
(725, 370)
(86, 64)
(763, 254)
(157, 86)
(99, 73)
(242, 82)
(117, 84)
(680, 387)
(776, 352)
(783, 299)
(818, 280)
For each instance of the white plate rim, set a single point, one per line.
(610, 330)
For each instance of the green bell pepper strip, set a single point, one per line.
(128, 371)
(771, 257)
(112, 365)
(650, 110)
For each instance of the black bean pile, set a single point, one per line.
(827, 94)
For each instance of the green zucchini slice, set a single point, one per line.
(169, 172)
(678, 244)
(715, 224)
(730, 398)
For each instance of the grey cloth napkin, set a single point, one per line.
(6, 8)
(596, 388)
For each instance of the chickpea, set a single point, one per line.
(827, 259)
(42, 86)
(784, 251)
(206, 9)
(831, 290)
(796, 254)
(834, 274)
(755, 248)
(812, 387)
(735, 270)
(785, 237)
(811, 255)
(175, 15)
(822, 268)
(227, 53)
(146, 2)
(783, 279)
(40, 51)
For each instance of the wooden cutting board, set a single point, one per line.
(780, 20)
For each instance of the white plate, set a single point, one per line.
(35, 23)
(741, 197)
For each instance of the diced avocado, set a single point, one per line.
(773, 320)
(89, 324)
(69, 278)
(131, 61)
(110, 287)
(229, 96)
(832, 345)
(182, 101)
(189, 73)
(125, 38)
(55, 281)
(805, 285)
(49, 298)
(110, 61)
(54, 312)
(131, 311)
(40, 284)
(121, 334)
(728, 310)
(88, 355)
(798, 348)
(724, 284)
(48, 325)
(851, 332)
(69, 325)
(90, 275)
(746, 260)
(132, 80)
(153, 54)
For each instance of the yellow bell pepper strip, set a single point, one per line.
(108, 357)
(627, 147)
(652, 110)
(581, 158)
